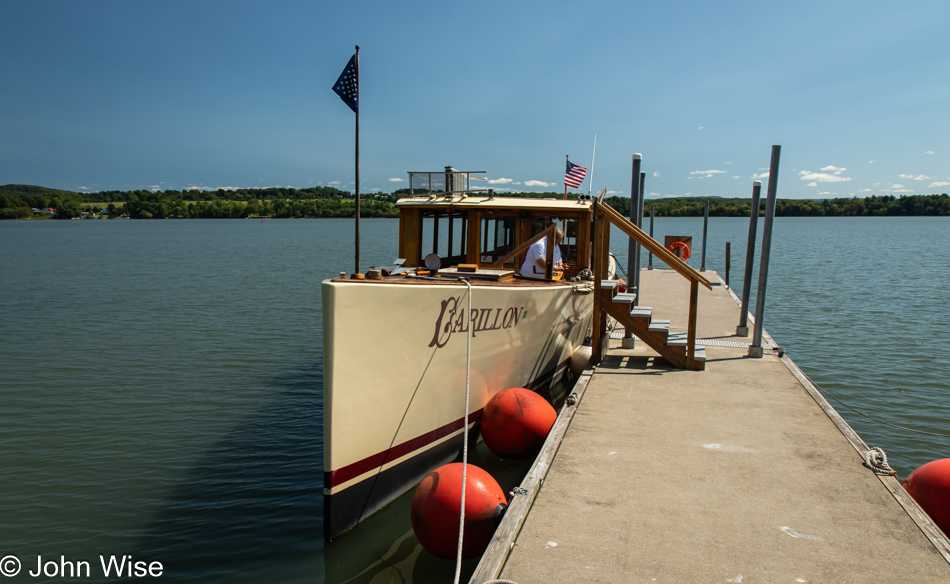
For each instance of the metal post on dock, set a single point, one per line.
(629, 341)
(743, 329)
(728, 261)
(652, 214)
(639, 224)
(702, 264)
(755, 349)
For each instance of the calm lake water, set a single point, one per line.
(160, 381)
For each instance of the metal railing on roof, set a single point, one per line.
(445, 182)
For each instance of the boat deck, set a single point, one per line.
(739, 473)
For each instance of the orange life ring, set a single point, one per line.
(683, 245)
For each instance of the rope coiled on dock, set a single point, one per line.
(876, 460)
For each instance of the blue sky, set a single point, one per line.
(120, 95)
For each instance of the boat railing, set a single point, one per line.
(440, 183)
(604, 216)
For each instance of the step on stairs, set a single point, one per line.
(655, 333)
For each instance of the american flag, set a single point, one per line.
(348, 85)
(574, 175)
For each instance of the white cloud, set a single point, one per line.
(824, 176)
(87, 188)
(872, 161)
(203, 188)
(706, 173)
(335, 182)
(656, 175)
(897, 188)
(929, 152)
(727, 162)
(736, 176)
(918, 177)
(154, 188)
(538, 183)
(396, 180)
(820, 193)
(701, 127)
(939, 183)
(865, 191)
(811, 184)
(609, 193)
(760, 175)
(500, 181)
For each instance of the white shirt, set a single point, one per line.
(538, 250)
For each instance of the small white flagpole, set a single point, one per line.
(590, 183)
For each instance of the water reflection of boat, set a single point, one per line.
(395, 342)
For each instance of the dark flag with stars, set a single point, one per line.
(348, 85)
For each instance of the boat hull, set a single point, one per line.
(395, 375)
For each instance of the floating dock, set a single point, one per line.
(739, 473)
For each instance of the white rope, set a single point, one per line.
(468, 370)
(876, 460)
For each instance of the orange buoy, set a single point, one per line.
(622, 286)
(929, 485)
(436, 504)
(516, 421)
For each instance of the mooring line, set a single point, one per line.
(395, 435)
(832, 396)
(468, 375)
(379, 470)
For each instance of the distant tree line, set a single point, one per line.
(887, 205)
(18, 201)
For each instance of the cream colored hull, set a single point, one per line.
(395, 372)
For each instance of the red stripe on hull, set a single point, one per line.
(351, 471)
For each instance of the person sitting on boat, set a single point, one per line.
(536, 259)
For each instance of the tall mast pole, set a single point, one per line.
(590, 183)
(357, 271)
(567, 161)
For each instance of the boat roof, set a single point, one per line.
(470, 202)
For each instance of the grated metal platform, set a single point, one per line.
(703, 342)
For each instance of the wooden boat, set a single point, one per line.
(395, 341)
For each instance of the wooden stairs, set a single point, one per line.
(655, 333)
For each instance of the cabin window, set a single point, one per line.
(498, 238)
(569, 226)
(444, 234)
